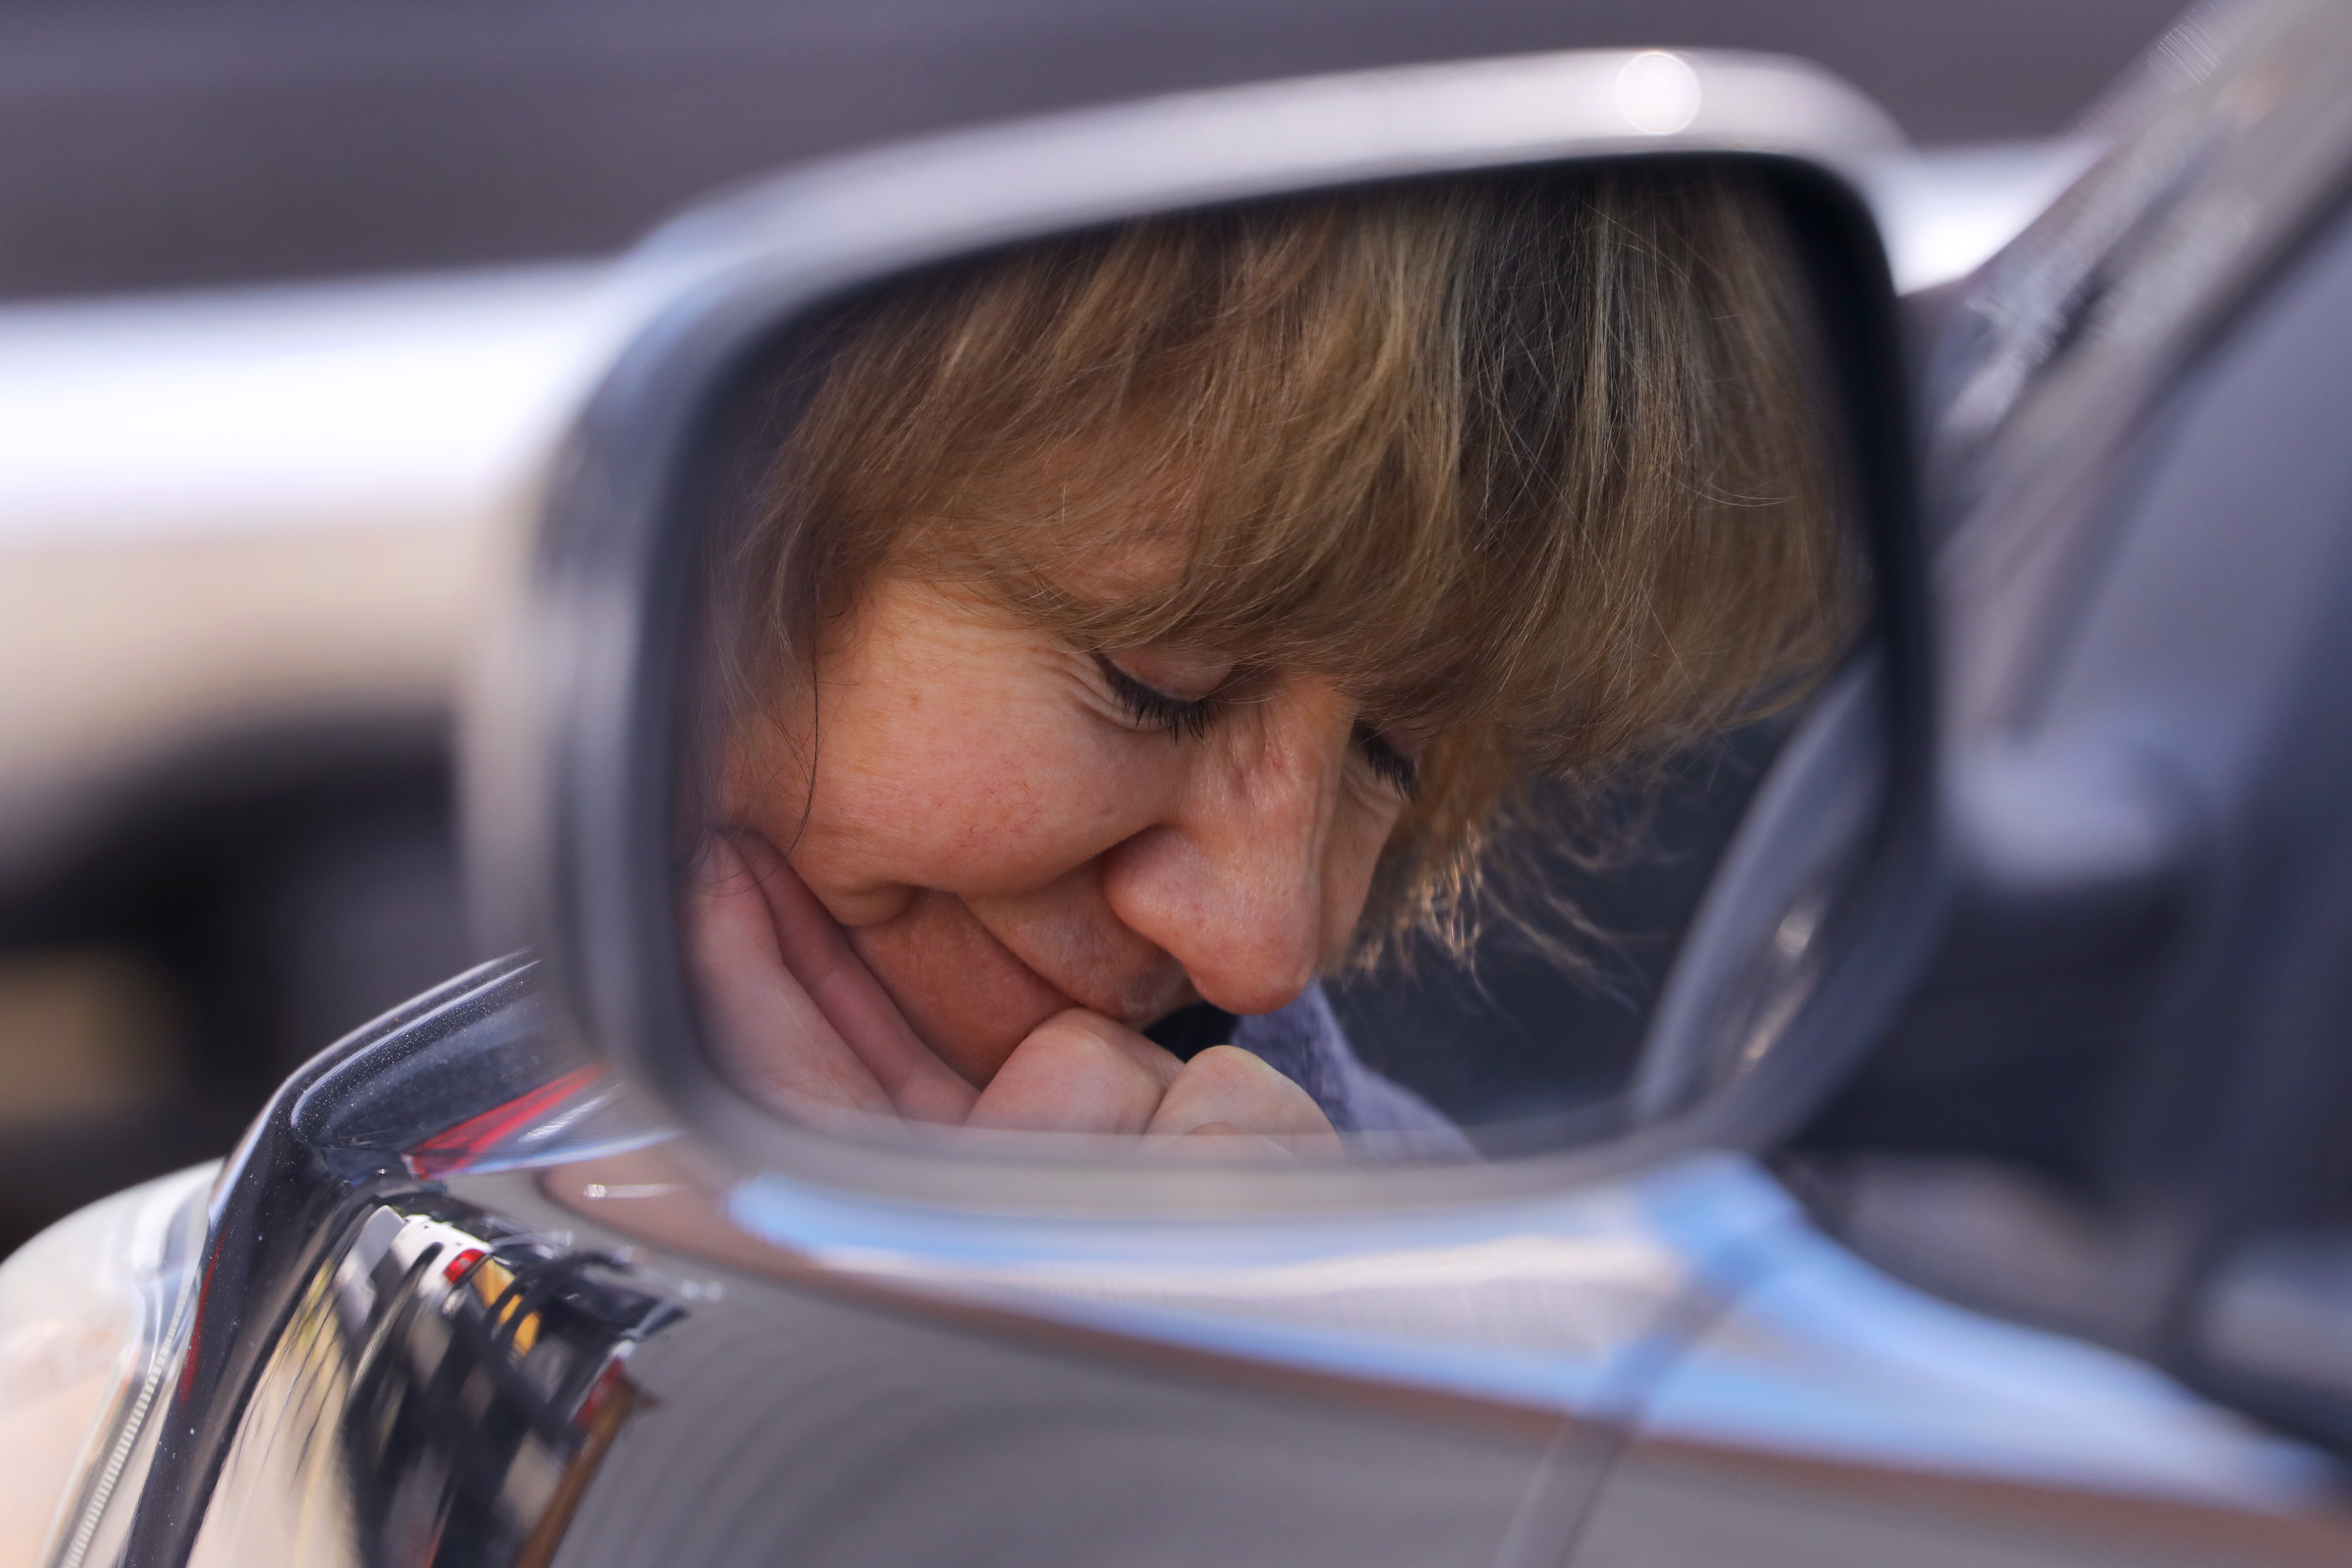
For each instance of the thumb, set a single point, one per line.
(919, 1085)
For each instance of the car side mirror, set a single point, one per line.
(1364, 631)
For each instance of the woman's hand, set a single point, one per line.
(799, 1022)
(1081, 1072)
(795, 1019)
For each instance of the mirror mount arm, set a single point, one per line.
(2060, 866)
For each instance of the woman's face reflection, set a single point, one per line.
(1036, 851)
(1134, 620)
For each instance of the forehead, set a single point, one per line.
(1108, 541)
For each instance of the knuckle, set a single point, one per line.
(1071, 1041)
(1229, 1067)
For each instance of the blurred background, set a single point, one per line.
(292, 297)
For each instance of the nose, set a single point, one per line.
(1246, 881)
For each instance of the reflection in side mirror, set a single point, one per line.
(1271, 680)
(1337, 624)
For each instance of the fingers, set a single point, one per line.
(1081, 1072)
(801, 1024)
(1077, 1072)
(769, 1034)
(920, 1086)
(1226, 1089)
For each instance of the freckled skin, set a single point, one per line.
(1000, 842)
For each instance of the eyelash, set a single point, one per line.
(1396, 770)
(1154, 708)
(1176, 716)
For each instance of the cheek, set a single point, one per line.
(1360, 831)
(970, 786)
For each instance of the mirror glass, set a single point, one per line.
(1271, 681)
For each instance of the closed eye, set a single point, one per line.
(1396, 770)
(1154, 708)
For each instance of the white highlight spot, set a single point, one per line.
(1657, 92)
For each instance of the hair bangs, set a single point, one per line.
(1533, 461)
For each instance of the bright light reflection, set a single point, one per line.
(1658, 93)
(1946, 211)
(397, 401)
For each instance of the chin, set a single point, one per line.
(976, 1046)
(970, 1005)
(972, 999)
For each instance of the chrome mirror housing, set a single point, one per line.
(1810, 918)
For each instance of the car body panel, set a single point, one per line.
(875, 1384)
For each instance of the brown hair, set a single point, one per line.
(1533, 460)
